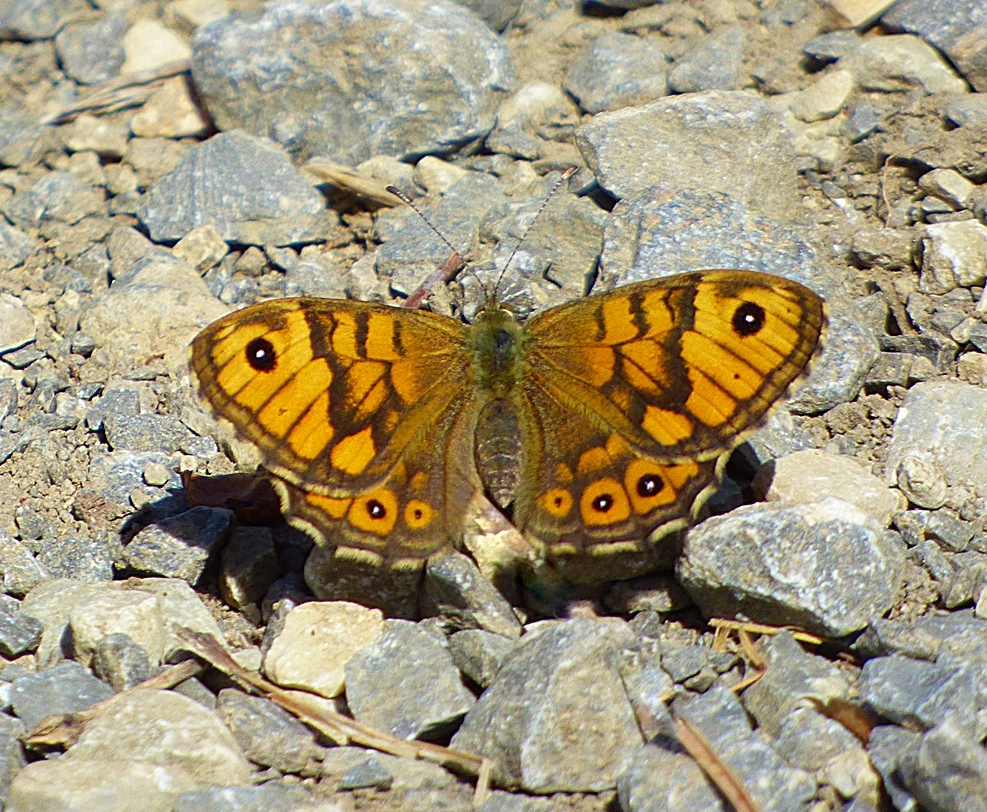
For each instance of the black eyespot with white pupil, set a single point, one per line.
(649, 485)
(748, 319)
(418, 513)
(261, 355)
(375, 510)
(603, 503)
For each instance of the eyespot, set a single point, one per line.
(556, 502)
(261, 355)
(418, 514)
(604, 502)
(649, 485)
(375, 512)
(748, 319)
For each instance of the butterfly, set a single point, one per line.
(599, 423)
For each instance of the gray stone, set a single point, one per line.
(648, 238)
(921, 694)
(455, 589)
(861, 122)
(958, 28)
(83, 559)
(145, 432)
(19, 633)
(900, 62)
(967, 110)
(713, 64)
(720, 719)
(793, 676)
(821, 746)
(406, 684)
(663, 778)
(182, 546)
(479, 654)
(121, 662)
(496, 13)
(38, 19)
(825, 566)
(116, 475)
(447, 73)
(733, 143)
(15, 246)
(557, 717)
(617, 70)
(22, 139)
(947, 770)
(12, 759)
(244, 186)
(120, 402)
(832, 45)
(92, 52)
(268, 735)
(942, 425)
(21, 571)
(849, 350)
(57, 196)
(367, 774)
(248, 567)
(272, 797)
(63, 688)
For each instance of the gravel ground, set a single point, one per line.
(164, 163)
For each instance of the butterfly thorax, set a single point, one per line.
(496, 340)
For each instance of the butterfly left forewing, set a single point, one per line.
(665, 377)
(342, 399)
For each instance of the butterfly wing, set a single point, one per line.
(656, 381)
(357, 409)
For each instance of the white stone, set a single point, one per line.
(202, 248)
(317, 641)
(955, 255)
(134, 613)
(169, 113)
(901, 62)
(98, 785)
(16, 323)
(807, 476)
(168, 729)
(435, 175)
(825, 97)
(949, 185)
(151, 44)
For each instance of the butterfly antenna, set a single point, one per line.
(566, 174)
(450, 267)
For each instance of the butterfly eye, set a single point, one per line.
(748, 319)
(261, 355)
(649, 485)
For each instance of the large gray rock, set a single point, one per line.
(721, 141)
(244, 186)
(350, 79)
(825, 566)
(557, 717)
